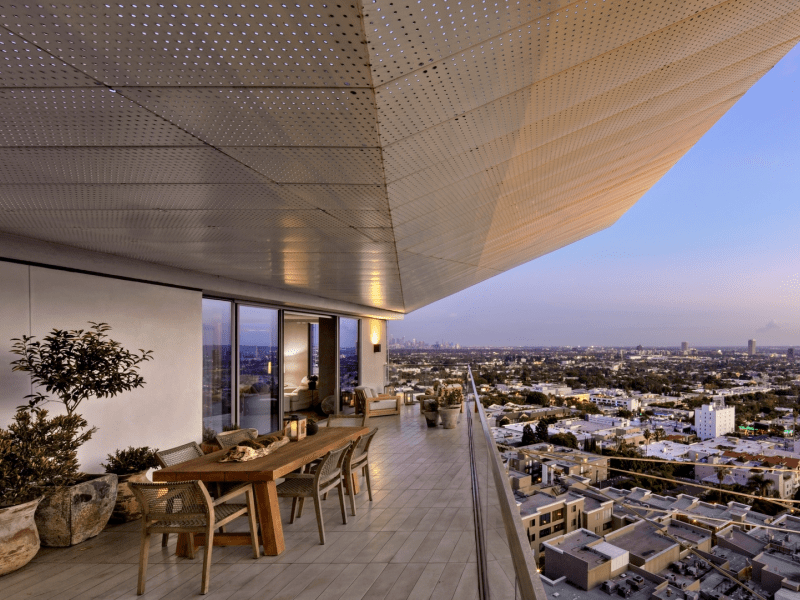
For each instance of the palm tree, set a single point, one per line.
(760, 484)
(659, 434)
(647, 435)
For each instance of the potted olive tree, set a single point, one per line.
(73, 366)
(129, 465)
(35, 451)
(449, 406)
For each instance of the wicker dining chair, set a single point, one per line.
(176, 456)
(328, 475)
(186, 507)
(229, 439)
(357, 459)
(347, 420)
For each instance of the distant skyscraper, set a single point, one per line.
(790, 354)
(751, 347)
(684, 346)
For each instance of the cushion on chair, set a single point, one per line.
(382, 405)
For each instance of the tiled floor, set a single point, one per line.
(415, 540)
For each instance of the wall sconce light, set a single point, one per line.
(376, 347)
(269, 368)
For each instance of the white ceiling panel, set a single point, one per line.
(122, 165)
(358, 166)
(295, 44)
(22, 64)
(155, 197)
(336, 117)
(386, 160)
(89, 116)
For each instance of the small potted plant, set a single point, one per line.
(312, 382)
(129, 465)
(35, 451)
(73, 366)
(430, 408)
(450, 400)
(209, 443)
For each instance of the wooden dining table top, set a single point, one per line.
(284, 460)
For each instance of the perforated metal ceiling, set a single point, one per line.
(382, 153)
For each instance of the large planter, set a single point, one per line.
(19, 540)
(431, 417)
(71, 514)
(449, 416)
(127, 507)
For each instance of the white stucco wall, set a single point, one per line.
(373, 364)
(167, 411)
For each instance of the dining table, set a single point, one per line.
(262, 473)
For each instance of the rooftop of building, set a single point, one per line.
(640, 538)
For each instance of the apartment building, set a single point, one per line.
(714, 420)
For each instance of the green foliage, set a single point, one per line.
(132, 460)
(36, 450)
(537, 398)
(450, 397)
(209, 435)
(76, 365)
(230, 427)
(527, 435)
(541, 431)
(568, 440)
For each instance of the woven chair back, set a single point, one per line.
(347, 420)
(173, 502)
(330, 467)
(179, 454)
(229, 439)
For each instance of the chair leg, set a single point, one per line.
(190, 549)
(294, 511)
(164, 540)
(300, 504)
(366, 477)
(251, 517)
(351, 492)
(340, 487)
(207, 560)
(318, 509)
(144, 552)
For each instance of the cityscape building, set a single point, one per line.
(751, 347)
(684, 346)
(714, 420)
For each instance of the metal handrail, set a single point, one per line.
(529, 585)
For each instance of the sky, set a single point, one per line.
(710, 255)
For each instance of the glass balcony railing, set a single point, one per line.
(506, 565)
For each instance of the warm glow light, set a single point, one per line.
(375, 331)
(269, 368)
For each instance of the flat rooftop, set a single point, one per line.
(569, 591)
(642, 540)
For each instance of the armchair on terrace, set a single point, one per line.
(377, 405)
(186, 507)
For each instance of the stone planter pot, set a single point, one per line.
(449, 416)
(71, 514)
(431, 417)
(209, 447)
(127, 508)
(19, 539)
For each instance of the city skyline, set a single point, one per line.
(710, 254)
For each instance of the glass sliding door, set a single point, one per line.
(313, 343)
(217, 364)
(348, 354)
(259, 367)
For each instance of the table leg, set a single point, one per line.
(269, 517)
(182, 548)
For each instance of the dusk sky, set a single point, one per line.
(710, 255)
